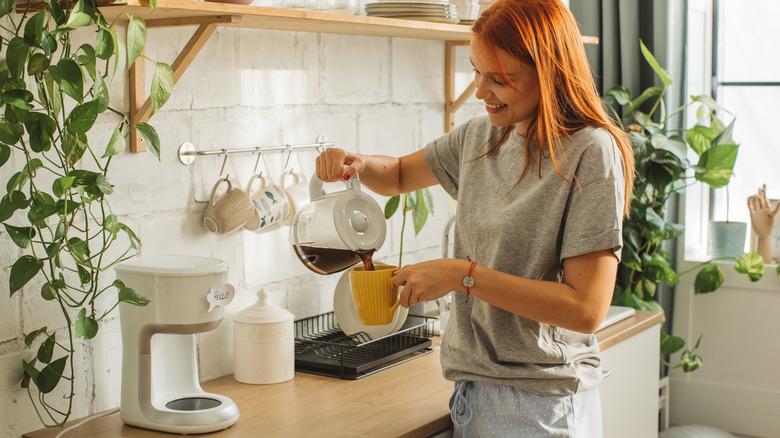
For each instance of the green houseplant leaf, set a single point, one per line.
(86, 326)
(23, 270)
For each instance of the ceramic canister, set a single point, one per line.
(263, 343)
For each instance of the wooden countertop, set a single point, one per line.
(407, 400)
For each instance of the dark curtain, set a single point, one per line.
(618, 60)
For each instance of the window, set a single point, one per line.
(733, 49)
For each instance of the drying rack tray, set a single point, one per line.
(321, 347)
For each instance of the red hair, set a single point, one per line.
(544, 35)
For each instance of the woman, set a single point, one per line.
(542, 184)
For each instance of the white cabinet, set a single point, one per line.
(629, 394)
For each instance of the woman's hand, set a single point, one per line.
(429, 280)
(330, 165)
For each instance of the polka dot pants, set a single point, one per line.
(487, 410)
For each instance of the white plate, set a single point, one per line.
(421, 18)
(347, 317)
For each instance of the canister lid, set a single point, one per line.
(173, 265)
(263, 312)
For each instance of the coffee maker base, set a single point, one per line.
(190, 414)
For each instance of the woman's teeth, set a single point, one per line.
(494, 106)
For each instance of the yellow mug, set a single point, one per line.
(376, 297)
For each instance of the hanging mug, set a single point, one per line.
(271, 205)
(229, 212)
(297, 192)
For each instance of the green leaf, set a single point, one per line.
(30, 372)
(392, 206)
(100, 94)
(655, 221)
(48, 292)
(46, 350)
(419, 212)
(55, 8)
(86, 326)
(30, 338)
(670, 344)
(111, 224)
(129, 296)
(103, 185)
(117, 143)
(80, 16)
(41, 211)
(135, 242)
(23, 270)
(120, 55)
(50, 376)
(709, 279)
(84, 276)
(41, 129)
(162, 86)
(752, 264)
(6, 6)
(73, 147)
(136, 38)
(61, 185)
(621, 94)
(660, 71)
(37, 64)
(152, 5)
(104, 44)
(719, 163)
(87, 59)
(17, 98)
(49, 43)
(690, 362)
(79, 249)
(22, 236)
(16, 56)
(82, 118)
(5, 154)
(10, 133)
(69, 78)
(150, 137)
(33, 29)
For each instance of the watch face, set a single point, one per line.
(468, 281)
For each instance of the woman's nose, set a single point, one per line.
(482, 91)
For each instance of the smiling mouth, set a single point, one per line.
(491, 106)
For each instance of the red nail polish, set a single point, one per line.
(346, 176)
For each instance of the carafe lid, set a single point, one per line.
(359, 220)
(263, 312)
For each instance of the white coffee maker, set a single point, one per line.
(160, 386)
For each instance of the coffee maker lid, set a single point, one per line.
(173, 265)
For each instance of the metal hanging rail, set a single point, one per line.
(187, 151)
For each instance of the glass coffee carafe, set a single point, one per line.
(337, 230)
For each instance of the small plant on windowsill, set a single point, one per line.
(663, 170)
(419, 203)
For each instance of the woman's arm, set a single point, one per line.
(384, 175)
(579, 303)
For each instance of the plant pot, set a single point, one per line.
(727, 239)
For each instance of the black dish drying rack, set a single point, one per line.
(321, 347)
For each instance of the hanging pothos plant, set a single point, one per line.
(663, 169)
(56, 208)
(419, 203)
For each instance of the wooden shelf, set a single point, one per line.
(208, 15)
(187, 12)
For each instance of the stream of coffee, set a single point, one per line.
(366, 256)
(329, 260)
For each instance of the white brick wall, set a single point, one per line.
(245, 88)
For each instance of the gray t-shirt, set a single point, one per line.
(526, 231)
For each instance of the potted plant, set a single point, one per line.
(663, 170)
(56, 207)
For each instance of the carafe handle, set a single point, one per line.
(316, 192)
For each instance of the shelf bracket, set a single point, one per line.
(140, 112)
(451, 104)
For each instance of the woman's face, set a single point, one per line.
(504, 105)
